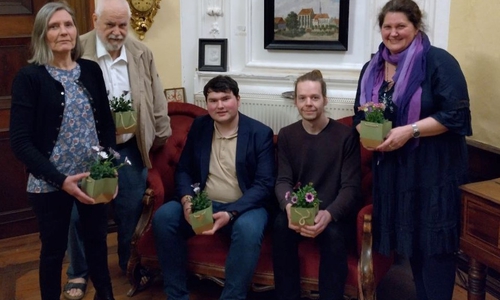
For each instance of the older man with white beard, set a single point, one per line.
(127, 65)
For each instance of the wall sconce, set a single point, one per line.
(214, 11)
(214, 8)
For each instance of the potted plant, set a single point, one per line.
(103, 180)
(200, 217)
(124, 115)
(375, 127)
(305, 204)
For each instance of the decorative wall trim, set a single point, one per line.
(258, 70)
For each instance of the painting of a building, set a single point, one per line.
(306, 20)
(279, 23)
(321, 20)
(306, 16)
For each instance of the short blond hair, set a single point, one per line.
(314, 75)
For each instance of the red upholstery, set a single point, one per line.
(211, 263)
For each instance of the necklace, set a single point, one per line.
(388, 78)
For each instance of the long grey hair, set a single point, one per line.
(42, 54)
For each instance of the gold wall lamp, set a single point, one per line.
(143, 12)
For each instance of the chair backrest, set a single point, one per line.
(165, 159)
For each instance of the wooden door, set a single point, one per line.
(17, 17)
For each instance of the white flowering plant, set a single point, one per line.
(303, 197)
(104, 166)
(122, 103)
(200, 200)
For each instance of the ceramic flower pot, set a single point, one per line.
(373, 134)
(202, 220)
(125, 122)
(303, 216)
(101, 190)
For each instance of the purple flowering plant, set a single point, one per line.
(304, 197)
(104, 167)
(374, 112)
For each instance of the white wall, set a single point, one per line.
(261, 71)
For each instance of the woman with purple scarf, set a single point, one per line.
(423, 160)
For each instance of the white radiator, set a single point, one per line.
(277, 112)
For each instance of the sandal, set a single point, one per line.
(82, 286)
(144, 277)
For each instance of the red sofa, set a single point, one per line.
(365, 268)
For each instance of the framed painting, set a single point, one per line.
(175, 94)
(306, 25)
(212, 55)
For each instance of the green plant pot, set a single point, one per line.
(101, 190)
(373, 134)
(202, 220)
(303, 216)
(125, 122)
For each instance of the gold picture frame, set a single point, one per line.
(175, 94)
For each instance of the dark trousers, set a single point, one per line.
(434, 276)
(53, 211)
(332, 243)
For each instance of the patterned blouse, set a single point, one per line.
(72, 153)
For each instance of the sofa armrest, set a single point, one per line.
(155, 183)
(366, 279)
(140, 229)
(148, 201)
(151, 201)
(360, 223)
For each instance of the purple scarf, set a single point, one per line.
(410, 73)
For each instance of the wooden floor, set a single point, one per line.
(27, 287)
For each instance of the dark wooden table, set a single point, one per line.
(480, 234)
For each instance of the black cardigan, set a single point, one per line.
(36, 114)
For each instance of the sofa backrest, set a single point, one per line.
(166, 158)
(366, 167)
(182, 115)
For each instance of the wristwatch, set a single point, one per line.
(416, 132)
(231, 216)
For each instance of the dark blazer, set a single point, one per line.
(255, 166)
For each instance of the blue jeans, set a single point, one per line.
(53, 212)
(171, 232)
(127, 208)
